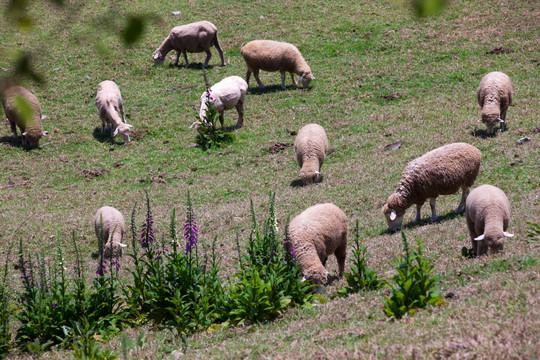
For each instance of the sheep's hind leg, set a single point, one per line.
(185, 58)
(256, 74)
(464, 194)
(341, 254)
(240, 109)
(208, 56)
(221, 118)
(177, 58)
(248, 75)
(292, 78)
(13, 128)
(432, 202)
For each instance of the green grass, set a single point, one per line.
(358, 52)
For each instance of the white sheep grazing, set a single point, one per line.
(488, 214)
(311, 145)
(269, 55)
(14, 100)
(442, 171)
(226, 94)
(112, 222)
(111, 110)
(494, 96)
(319, 231)
(194, 38)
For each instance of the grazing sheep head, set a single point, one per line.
(491, 120)
(493, 240)
(318, 276)
(158, 57)
(309, 178)
(33, 136)
(394, 217)
(113, 251)
(123, 130)
(305, 79)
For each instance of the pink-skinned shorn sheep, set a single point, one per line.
(269, 55)
(111, 110)
(193, 38)
(487, 211)
(442, 171)
(318, 232)
(227, 94)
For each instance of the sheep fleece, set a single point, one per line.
(311, 145)
(316, 233)
(31, 126)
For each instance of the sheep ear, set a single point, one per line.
(500, 120)
(480, 238)
(45, 133)
(115, 132)
(301, 78)
(317, 172)
(508, 235)
(156, 56)
(122, 245)
(24, 133)
(393, 215)
(303, 279)
(312, 77)
(129, 126)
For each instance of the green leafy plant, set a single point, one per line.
(414, 285)
(360, 277)
(533, 234)
(6, 310)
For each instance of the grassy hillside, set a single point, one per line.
(382, 75)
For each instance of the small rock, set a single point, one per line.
(63, 158)
(523, 140)
(3, 69)
(56, 130)
(261, 17)
(52, 236)
(393, 146)
(87, 77)
(450, 295)
(117, 164)
(56, 69)
(176, 13)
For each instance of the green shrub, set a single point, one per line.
(414, 285)
(6, 310)
(360, 277)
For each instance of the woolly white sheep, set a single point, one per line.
(114, 228)
(194, 38)
(442, 171)
(226, 94)
(311, 145)
(111, 110)
(494, 96)
(319, 231)
(487, 211)
(14, 99)
(269, 55)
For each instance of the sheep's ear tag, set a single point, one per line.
(123, 245)
(129, 126)
(480, 120)
(45, 133)
(393, 215)
(508, 235)
(115, 132)
(303, 279)
(156, 56)
(500, 120)
(480, 238)
(24, 133)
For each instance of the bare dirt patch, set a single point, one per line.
(90, 174)
(277, 147)
(499, 50)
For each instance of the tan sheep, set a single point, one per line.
(15, 100)
(194, 38)
(114, 228)
(311, 145)
(271, 55)
(494, 96)
(227, 94)
(319, 231)
(487, 211)
(442, 171)
(111, 110)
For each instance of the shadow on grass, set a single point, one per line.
(300, 183)
(17, 143)
(412, 224)
(102, 137)
(483, 133)
(192, 66)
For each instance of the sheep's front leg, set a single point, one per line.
(240, 109)
(432, 202)
(418, 212)
(283, 80)
(177, 58)
(102, 126)
(208, 57)
(292, 78)
(503, 116)
(13, 128)
(121, 108)
(341, 254)
(185, 57)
